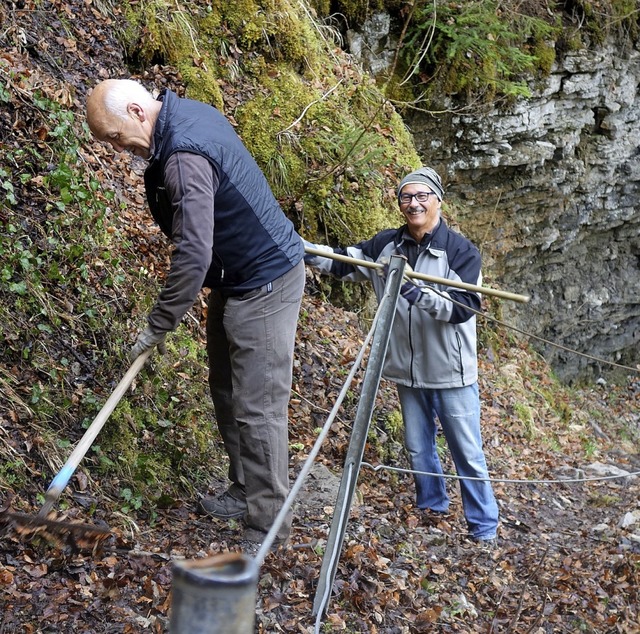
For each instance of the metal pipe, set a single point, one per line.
(386, 313)
(216, 595)
(421, 276)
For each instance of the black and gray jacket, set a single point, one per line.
(209, 196)
(433, 342)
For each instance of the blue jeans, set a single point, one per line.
(458, 410)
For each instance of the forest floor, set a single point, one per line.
(567, 557)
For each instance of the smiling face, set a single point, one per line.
(421, 216)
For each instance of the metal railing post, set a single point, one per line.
(355, 451)
(216, 595)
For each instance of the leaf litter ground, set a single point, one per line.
(553, 570)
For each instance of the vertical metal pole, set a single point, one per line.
(216, 595)
(355, 451)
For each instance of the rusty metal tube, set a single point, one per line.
(216, 595)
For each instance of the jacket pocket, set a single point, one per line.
(458, 356)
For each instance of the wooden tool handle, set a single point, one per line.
(62, 478)
(420, 276)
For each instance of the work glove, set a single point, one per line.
(383, 271)
(147, 339)
(411, 292)
(312, 259)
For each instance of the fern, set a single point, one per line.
(488, 49)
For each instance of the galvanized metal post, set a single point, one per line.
(216, 595)
(355, 451)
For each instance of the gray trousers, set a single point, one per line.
(250, 343)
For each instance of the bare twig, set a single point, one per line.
(496, 610)
(540, 615)
(324, 96)
(516, 616)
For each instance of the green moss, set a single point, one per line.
(161, 440)
(152, 32)
(322, 8)
(274, 28)
(158, 31)
(264, 123)
(545, 55)
(616, 17)
(331, 149)
(298, 133)
(202, 86)
(235, 15)
(370, 149)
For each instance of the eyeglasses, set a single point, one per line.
(421, 197)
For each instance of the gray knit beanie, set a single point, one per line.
(426, 176)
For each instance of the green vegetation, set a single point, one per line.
(63, 290)
(13, 474)
(599, 20)
(481, 49)
(165, 30)
(524, 412)
(47, 247)
(73, 292)
(331, 148)
(478, 52)
(603, 500)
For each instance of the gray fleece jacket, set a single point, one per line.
(433, 342)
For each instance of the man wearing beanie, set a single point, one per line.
(432, 354)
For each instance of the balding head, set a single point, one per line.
(122, 112)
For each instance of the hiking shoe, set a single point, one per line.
(223, 506)
(430, 514)
(437, 519)
(490, 543)
(256, 536)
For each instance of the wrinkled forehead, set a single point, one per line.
(415, 187)
(103, 124)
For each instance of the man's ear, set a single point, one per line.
(137, 111)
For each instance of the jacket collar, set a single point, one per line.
(436, 245)
(167, 98)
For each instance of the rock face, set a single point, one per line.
(550, 192)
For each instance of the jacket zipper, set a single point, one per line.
(410, 347)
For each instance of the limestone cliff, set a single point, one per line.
(549, 190)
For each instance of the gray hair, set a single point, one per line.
(121, 93)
